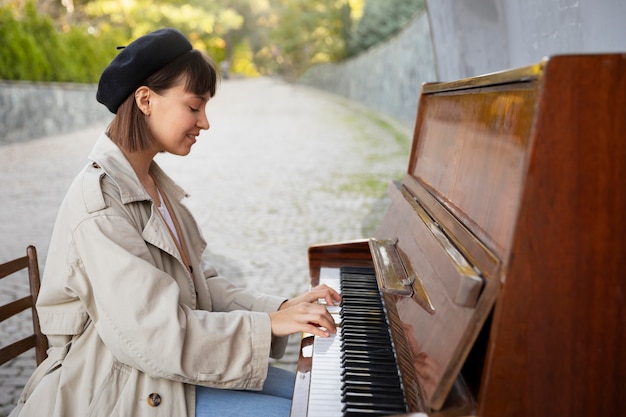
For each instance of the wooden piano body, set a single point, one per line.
(511, 222)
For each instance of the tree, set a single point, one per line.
(204, 23)
(381, 19)
(305, 33)
(282, 37)
(36, 48)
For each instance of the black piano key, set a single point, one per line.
(370, 329)
(367, 362)
(371, 382)
(377, 348)
(355, 313)
(355, 409)
(360, 338)
(355, 386)
(361, 359)
(372, 367)
(367, 404)
(356, 396)
(367, 377)
(349, 389)
(355, 347)
(382, 379)
(363, 334)
(380, 353)
(357, 338)
(364, 331)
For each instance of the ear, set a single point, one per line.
(142, 99)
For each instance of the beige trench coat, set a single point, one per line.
(131, 330)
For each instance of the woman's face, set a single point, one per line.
(176, 118)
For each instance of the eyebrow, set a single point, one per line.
(199, 98)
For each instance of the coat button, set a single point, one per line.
(154, 399)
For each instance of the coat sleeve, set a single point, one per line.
(231, 298)
(135, 308)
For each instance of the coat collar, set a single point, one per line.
(110, 158)
(112, 161)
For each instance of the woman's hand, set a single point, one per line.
(300, 314)
(321, 292)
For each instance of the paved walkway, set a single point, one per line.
(282, 167)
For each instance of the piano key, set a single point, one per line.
(360, 411)
(371, 392)
(369, 379)
(356, 370)
(376, 391)
(376, 370)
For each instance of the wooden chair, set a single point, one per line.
(36, 340)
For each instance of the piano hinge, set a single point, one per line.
(471, 282)
(395, 274)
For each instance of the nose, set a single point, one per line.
(203, 121)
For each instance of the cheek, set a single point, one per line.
(166, 121)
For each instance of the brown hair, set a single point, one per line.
(129, 129)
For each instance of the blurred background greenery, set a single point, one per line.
(73, 40)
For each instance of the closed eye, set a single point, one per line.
(194, 109)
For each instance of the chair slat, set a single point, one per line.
(14, 307)
(13, 266)
(38, 340)
(17, 348)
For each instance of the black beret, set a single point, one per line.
(140, 59)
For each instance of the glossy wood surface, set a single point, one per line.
(471, 153)
(558, 339)
(336, 255)
(444, 337)
(535, 168)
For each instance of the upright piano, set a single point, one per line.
(499, 270)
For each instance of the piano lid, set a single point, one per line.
(470, 148)
(453, 215)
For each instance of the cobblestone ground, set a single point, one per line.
(282, 167)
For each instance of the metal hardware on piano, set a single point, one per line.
(499, 288)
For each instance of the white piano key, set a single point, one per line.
(325, 394)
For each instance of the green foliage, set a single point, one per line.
(306, 33)
(20, 56)
(33, 49)
(89, 54)
(207, 24)
(285, 37)
(381, 19)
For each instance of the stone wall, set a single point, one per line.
(33, 110)
(386, 78)
(456, 39)
(474, 37)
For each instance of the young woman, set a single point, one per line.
(138, 324)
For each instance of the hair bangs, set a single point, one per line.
(202, 77)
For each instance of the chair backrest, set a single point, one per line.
(37, 339)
